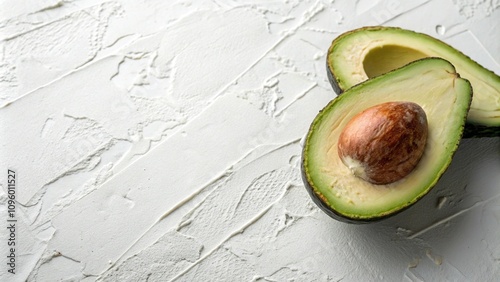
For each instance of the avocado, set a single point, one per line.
(371, 51)
(431, 83)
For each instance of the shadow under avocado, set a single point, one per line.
(456, 187)
(437, 215)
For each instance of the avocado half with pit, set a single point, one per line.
(367, 52)
(334, 183)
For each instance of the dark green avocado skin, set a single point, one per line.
(332, 80)
(477, 131)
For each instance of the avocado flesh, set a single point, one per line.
(371, 51)
(433, 84)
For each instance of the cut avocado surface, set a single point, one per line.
(367, 52)
(431, 83)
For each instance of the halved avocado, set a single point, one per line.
(363, 53)
(431, 83)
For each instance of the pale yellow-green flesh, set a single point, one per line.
(446, 112)
(369, 53)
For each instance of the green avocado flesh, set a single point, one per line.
(431, 83)
(360, 54)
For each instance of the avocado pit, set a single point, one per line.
(384, 143)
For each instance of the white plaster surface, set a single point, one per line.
(161, 140)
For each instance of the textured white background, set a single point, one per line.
(160, 140)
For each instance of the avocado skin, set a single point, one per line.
(480, 131)
(470, 130)
(333, 81)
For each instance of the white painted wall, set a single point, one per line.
(162, 140)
